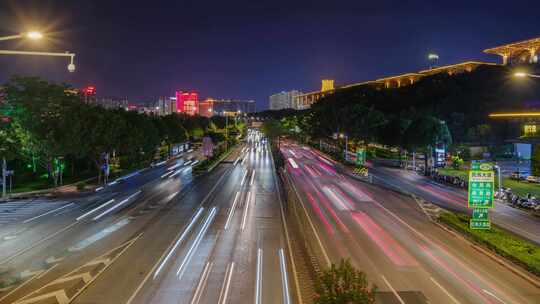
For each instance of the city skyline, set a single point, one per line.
(187, 51)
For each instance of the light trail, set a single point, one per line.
(202, 283)
(244, 217)
(95, 209)
(179, 241)
(224, 294)
(116, 206)
(46, 213)
(231, 212)
(284, 278)
(258, 282)
(196, 243)
(252, 177)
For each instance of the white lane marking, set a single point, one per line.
(284, 278)
(116, 206)
(231, 212)
(99, 189)
(393, 290)
(445, 291)
(48, 212)
(245, 211)
(224, 294)
(258, 282)
(196, 243)
(202, 283)
(491, 294)
(244, 178)
(179, 241)
(95, 209)
(36, 276)
(252, 178)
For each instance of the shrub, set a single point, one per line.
(343, 284)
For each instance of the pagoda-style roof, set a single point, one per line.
(533, 43)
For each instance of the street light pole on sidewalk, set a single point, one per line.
(4, 171)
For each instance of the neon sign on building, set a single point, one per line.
(187, 102)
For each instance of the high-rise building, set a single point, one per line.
(187, 102)
(283, 100)
(206, 107)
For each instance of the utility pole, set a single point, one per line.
(4, 169)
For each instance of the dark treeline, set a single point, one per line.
(44, 126)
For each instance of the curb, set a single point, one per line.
(509, 265)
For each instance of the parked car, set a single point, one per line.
(533, 179)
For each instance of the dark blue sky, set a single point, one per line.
(251, 49)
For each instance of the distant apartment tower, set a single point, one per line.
(165, 105)
(187, 102)
(283, 100)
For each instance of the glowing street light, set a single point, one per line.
(32, 35)
(523, 75)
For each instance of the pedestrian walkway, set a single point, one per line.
(18, 211)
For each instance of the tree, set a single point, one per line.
(343, 284)
(425, 132)
(273, 129)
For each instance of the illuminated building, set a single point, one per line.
(518, 52)
(206, 107)
(283, 100)
(305, 101)
(187, 102)
(210, 106)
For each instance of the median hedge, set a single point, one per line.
(502, 242)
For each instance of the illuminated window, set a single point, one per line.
(529, 130)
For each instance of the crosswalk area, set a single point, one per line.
(19, 211)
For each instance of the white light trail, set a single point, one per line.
(252, 177)
(48, 212)
(196, 243)
(224, 294)
(258, 282)
(116, 206)
(231, 212)
(95, 209)
(245, 211)
(284, 278)
(179, 241)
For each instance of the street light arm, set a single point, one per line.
(11, 37)
(8, 52)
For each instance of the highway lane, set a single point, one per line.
(386, 235)
(451, 198)
(81, 231)
(230, 250)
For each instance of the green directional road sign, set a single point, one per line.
(474, 224)
(480, 215)
(360, 156)
(481, 187)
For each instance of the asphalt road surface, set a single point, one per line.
(385, 234)
(517, 221)
(160, 236)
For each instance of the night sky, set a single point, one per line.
(252, 49)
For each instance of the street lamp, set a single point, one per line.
(523, 75)
(342, 135)
(32, 35)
